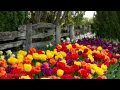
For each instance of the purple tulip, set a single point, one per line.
(87, 60)
(59, 59)
(48, 72)
(69, 61)
(8, 70)
(79, 53)
(69, 53)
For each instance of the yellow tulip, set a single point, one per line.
(63, 54)
(25, 77)
(89, 52)
(104, 67)
(77, 63)
(36, 56)
(90, 57)
(38, 64)
(49, 54)
(30, 57)
(99, 71)
(27, 67)
(69, 46)
(43, 57)
(20, 56)
(22, 52)
(99, 48)
(12, 60)
(64, 61)
(60, 72)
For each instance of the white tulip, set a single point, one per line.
(13, 55)
(64, 41)
(9, 52)
(51, 45)
(2, 57)
(47, 46)
(1, 52)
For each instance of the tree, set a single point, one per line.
(87, 21)
(57, 17)
(10, 20)
(106, 25)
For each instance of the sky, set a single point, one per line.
(89, 14)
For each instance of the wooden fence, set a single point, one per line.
(34, 35)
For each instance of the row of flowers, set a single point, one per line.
(66, 61)
(112, 46)
(78, 37)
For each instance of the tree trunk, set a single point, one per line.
(38, 15)
(57, 20)
(44, 16)
(54, 16)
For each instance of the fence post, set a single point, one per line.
(58, 34)
(72, 32)
(28, 37)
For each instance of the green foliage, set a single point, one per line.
(10, 20)
(106, 24)
(75, 17)
(87, 21)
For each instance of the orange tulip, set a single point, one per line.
(103, 52)
(32, 50)
(102, 77)
(58, 46)
(2, 73)
(14, 65)
(20, 66)
(87, 66)
(52, 61)
(27, 60)
(89, 76)
(5, 65)
(53, 77)
(72, 50)
(83, 63)
(94, 47)
(36, 70)
(3, 61)
(76, 77)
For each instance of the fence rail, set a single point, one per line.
(26, 33)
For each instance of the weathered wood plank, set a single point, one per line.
(64, 34)
(21, 34)
(35, 32)
(4, 36)
(11, 45)
(43, 25)
(42, 35)
(41, 44)
(51, 31)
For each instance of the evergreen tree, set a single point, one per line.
(10, 20)
(106, 24)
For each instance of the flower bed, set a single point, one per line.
(80, 60)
